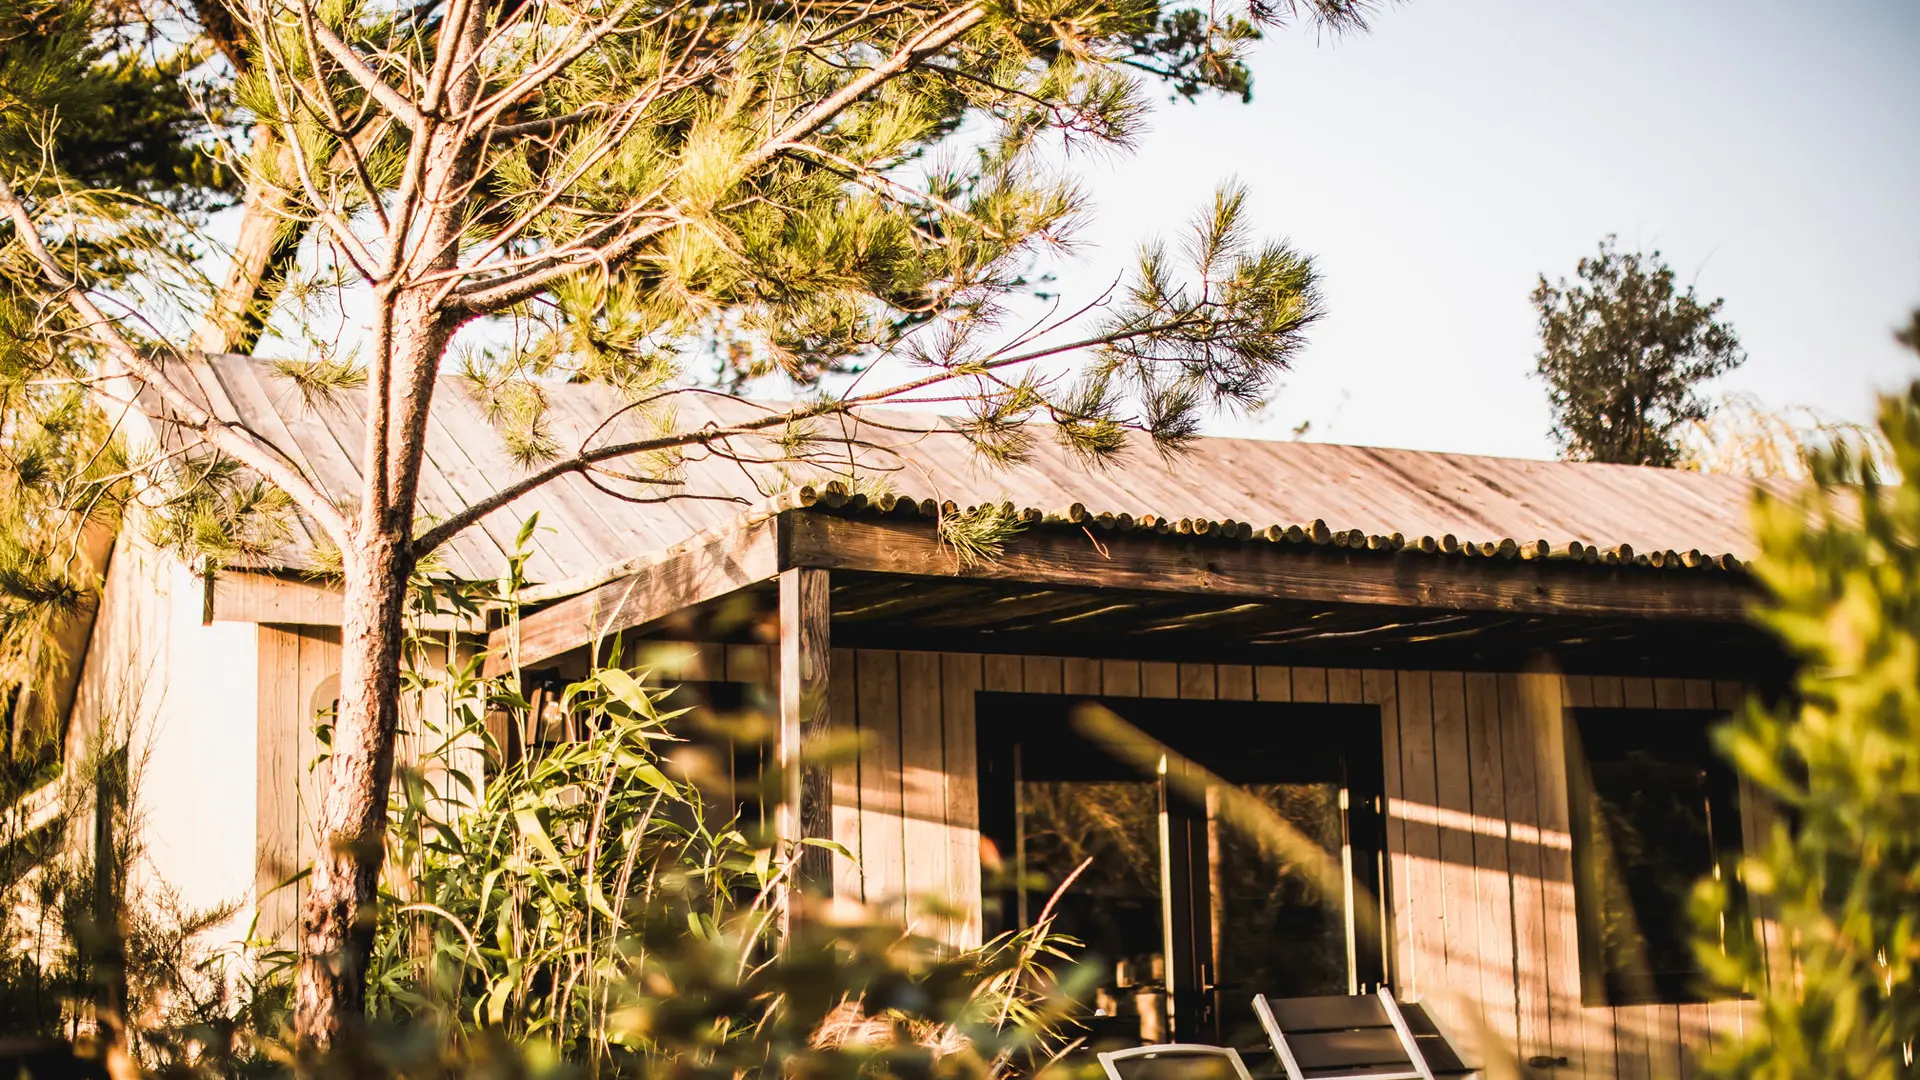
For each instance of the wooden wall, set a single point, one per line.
(299, 681)
(178, 695)
(299, 676)
(1480, 856)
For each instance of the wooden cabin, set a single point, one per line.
(1480, 686)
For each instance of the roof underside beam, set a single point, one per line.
(714, 565)
(706, 568)
(1253, 571)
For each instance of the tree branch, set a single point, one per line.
(580, 462)
(500, 293)
(395, 102)
(226, 436)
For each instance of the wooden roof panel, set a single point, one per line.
(1375, 490)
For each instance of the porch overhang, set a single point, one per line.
(1144, 592)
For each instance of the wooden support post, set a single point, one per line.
(805, 649)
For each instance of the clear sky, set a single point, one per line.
(1436, 165)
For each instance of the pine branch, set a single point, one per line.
(450, 526)
(500, 293)
(226, 436)
(398, 104)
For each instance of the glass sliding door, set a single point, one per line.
(1228, 849)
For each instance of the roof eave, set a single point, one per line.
(786, 535)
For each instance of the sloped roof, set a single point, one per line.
(1354, 490)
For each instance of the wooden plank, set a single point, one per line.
(1274, 572)
(882, 836)
(1004, 674)
(1120, 678)
(1698, 693)
(1669, 693)
(1235, 682)
(1343, 686)
(1463, 1009)
(1158, 680)
(806, 806)
(843, 720)
(1756, 827)
(703, 569)
(960, 675)
(1696, 1035)
(1309, 684)
(1344, 1050)
(1197, 681)
(924, 794)
(1533, 995)
(319, 692)
(1329, 1013)
(1705, 1026)
(1582, 1035)
(242, 596)
(1041, 674)
(1577, 691)
(1382, 688)
(1424, 973)
(1493, 883)
(1609, 692)
(277, 808)
(1273, 683)
(1636, 693)
(1663, 1042)
(1081, 676)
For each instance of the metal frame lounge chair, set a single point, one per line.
(1342, 1037)
(1136, 1063)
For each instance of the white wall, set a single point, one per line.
(183, 698)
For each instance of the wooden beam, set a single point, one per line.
(703, 569)
(1254, 570)
(244, 596)
(805, 663)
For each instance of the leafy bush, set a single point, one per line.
(1840, 874)
(586, 908)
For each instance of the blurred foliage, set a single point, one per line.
(110, 97)
(1742, 436)
(572, 890)
(1837, 878)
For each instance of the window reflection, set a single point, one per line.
(1654, 811)
(1184, 911)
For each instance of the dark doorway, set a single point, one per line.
(1189, 910)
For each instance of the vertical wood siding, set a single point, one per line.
(1479, 856)
(299, 677)
(1480, 866)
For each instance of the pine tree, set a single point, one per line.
(1838, 876)
(628, 193)
(1623, 352)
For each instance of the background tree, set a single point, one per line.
(1842, 754)
(1623, 353)
(624, 192)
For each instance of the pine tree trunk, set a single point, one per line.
(410, 333)
(338, 917)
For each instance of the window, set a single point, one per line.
(1653, 810)
(1182, 909)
